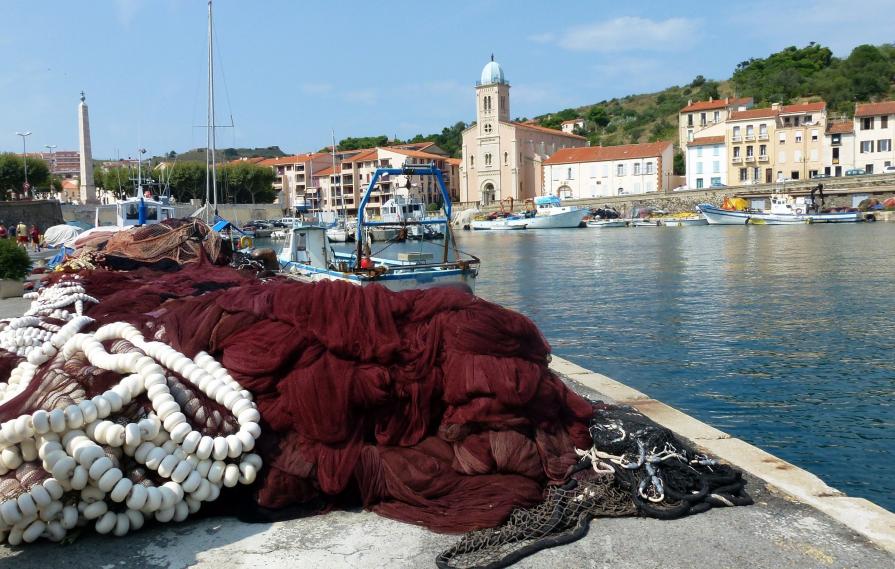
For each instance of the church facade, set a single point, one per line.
(502, 158)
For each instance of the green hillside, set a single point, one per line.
(225, 154)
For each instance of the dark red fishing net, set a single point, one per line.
(431, 407)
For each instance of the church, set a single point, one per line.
(502, 158)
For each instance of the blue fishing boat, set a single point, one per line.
(308, 255)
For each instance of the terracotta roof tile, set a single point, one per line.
(294, 159)
(363, 155)
(327, 171)
(716, 104)
(803, 108)
(844, 127)
(706, 140)
(606, 153)
(415, 153)
(544, 129)
(766, 113)
(872, 109)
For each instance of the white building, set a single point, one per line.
(839, 148)
(706, 162)
(702, 119)
(600, 171)
(570, 125)
(874, 131)
(502, 158)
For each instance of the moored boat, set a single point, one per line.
(499, 224)
(684, 221)
(785, 210)
(606, 223)
(547, 212)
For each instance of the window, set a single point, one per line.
(781, 156)
(866, 146)
(690, 119)
(636, 168)
(736, 151)
(756, 173)
(716, 150)
(620, 170)
(699, 183)
(699, 167)
(716, 167)
(884, 145)
(689, 136)
(716, 181)
(750, 130)
(487, 128)
(750, 151)
(699, 152)
(813, 134)
(762, 130)
(763, 150)
(472, 161)
(736, 133)
(717, 117)
(884, 121)
(649, 167)
(487, 159)
(744, 174)
(797, 156)
(814, 154)
(568, 173)
(836, 139)
(867, 123)
(702, 121)
(782, 138)
(799, 136)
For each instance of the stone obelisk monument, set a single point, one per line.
(88, 190)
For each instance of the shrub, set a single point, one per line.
(14, 261)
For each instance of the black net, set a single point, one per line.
(635, 467)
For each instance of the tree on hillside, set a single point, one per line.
(246, 182)
(598, 116)
(870, 72)
(187, 181)
(781, 76)
(356, 143)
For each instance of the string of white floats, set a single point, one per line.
(84, 486)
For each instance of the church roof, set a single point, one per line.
(492, 73)
(544, 129)
(607, 153)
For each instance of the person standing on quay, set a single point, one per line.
(22, 235)
(3, 233)
(35, 238)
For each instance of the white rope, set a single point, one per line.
(72, 443)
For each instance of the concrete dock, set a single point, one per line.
(797, 522)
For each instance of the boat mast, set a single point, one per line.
(211, 192)
(341, 182)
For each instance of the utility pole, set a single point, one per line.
(26, 186)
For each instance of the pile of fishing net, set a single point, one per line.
(165, 245)
(431, 407)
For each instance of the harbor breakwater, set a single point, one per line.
(43, 213)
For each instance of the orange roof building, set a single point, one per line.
(874, 135)
(703, 119)
(602, 171)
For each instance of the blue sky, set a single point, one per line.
(292, 70)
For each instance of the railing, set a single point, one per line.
(750, 137)
(736, 159)
(736, 138)
(763, 158)
(750, 158)
(763, 137)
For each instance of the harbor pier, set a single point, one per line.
(797, 521)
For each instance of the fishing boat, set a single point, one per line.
(498, 224)
(684, 221)
(646, 223)
(785, 210)
(307, 254)
(606, 223)
(547, 212)
(339, 233)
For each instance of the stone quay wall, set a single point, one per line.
(43, 213)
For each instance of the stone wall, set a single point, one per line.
(43, 213)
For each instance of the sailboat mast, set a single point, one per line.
(341, 181)
(211, 192)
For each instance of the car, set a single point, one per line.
(855, 172)
(888, 170)
(820, 176)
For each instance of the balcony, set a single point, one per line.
(763, 136)
(736, 138)
(763, 158)
(736, 159)
(750, 137)
(750, 158)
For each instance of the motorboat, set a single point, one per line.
(498, 224)
(606, 223)
(307, 254)
(785, 210)
(646, 223)
(547, 212)
(684, 221)
(340, 234)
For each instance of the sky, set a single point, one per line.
(291, 72)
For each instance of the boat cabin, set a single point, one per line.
(138, 211)
(782, 204)
(306, 245)
(547, 202)
(399, 209)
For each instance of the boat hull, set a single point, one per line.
(606, 223)
(718, 216)
(393, 280)
(685, 222)
(496, 225)
(564, 220)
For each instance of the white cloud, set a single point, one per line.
(316, 88)
(627, 33)
(363, 96)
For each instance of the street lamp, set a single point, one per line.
(25, 186)
(52, 149)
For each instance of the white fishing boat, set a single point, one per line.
(499, 224)
(684, 221)
(547, 212)
(308, 255)
(339, 234)
(646, 223)
(606, 223)
(785, 210)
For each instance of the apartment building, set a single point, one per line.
(703, 119)
(598, 171)
(799, 139)
(294, 177)
(839, 148)
(874, 131)
(750, 134)
(706, 162)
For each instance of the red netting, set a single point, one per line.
(434, 407)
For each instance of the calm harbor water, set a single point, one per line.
(781, 336)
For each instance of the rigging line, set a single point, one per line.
(220, 58)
